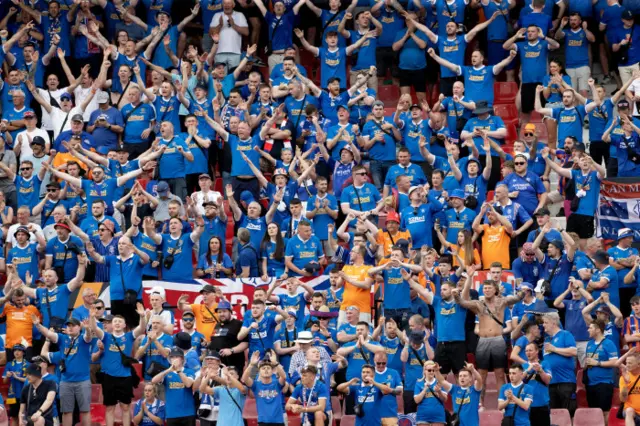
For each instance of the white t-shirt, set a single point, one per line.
(25, 148)
(230, 39)
(635, 89)
(47, 124)
(81, 94)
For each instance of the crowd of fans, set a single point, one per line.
(164, 141)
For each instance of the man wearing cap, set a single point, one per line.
(623, 42)
(24, 254)
(604, 279)
(63, 252)
(361, 198)
(419, 216)
(204, 312)
(77, 130)
(23, 140)
(458, 217)
(27, 183)
(609, 314)
(556, 264)
(413, 127)
(37, 399)
(360, 351)
(189, 326)
(622, 257)
(178, 381)
(543, 217)
(525, 187)
(259, 327)
(15, 374)
(75, 383)
(386, 239)
(224, 338)
(13, 117)
(46, 206)
(627, 145)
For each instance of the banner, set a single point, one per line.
(619, 207)
(239, 292)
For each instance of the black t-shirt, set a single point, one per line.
(34, 397)
(225, 336)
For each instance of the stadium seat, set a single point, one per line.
(96, 394)
(491, 399)
(536, 117)
(138, 368)
(349, 420)
(581, 395)
(512, 134)
(560, 417)
(389, 111)
(293, 420)
(508, 113)
(504, 92)
(389, 95)
(139, 391)
(490, 195)
(613, 419)
(490, 418)
(98, 413)
(588, 417)
(218, 186)
(250, 410)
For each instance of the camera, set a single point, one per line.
(73, 248)
(62, 366)
(167, 262)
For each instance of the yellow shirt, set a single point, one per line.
(356, 296)
(205, 321)
(495, 246)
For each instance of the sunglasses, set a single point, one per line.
(101, 229)
(529, 134)
(520, 163)
(381, 363)
(50, 190)
(99, 308)
(361, 174)
(430, 370)
(22, 169)
(188, 319)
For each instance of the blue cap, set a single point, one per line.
(342, 106)
(540, 308)
(66, 95)
(558, 243)
(19, 347)
(103, 150)
(457, 193)
(162, 188)
(247, 196)
(292, 314)
(474, 159)
(223, 304)
(526, 285)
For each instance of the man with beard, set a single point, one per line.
(260, 327)
(206, 319)
(63, 253)
(491, 350)
(24, 255)
(224, 338)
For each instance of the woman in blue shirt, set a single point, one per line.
(148, 411)
(215, 263)
(430, 397)
(272, 250)
(554, 83)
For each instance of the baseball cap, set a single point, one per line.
(413, 188)
(627, 14)
(106, 318)
(53, 185)
(162, 188)
(393, 216)
(247, 196)
(625, 233)
(378, 103)
(156, 289)
(292, 314)
(78, 117)
(624, 104)
(526, 286)
(38, 140)
(223, 304)
(22, 229)
(542, 212)
(212, 355)
(34, 370)
(208, 288)
(558, 243)
(415, 106)
(73, 321)
(204, 176)
(62, 225)
(176, 352)
(342, 106)
(66, 95)
(102, 97)
(29, 114)
(530, 127)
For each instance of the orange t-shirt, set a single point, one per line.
(19, 323)
(205, 322)
(495, 246)
(461, 253)
(384, 240)
(633, 400)
(356, 296)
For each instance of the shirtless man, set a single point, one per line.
(492, 349)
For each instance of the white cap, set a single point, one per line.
(157, 290)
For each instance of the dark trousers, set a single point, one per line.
(241, 184)
(182, 421)
(540, 416)
(599, 151)
(495, 171)
(178, 186)
(563, 395)
(400, 316)
(410, 405)
(612, 167)
(136, 149)
(626, 293)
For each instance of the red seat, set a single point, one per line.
(613, 420)
(504, 92)
(250, 410)
(138, 368)
(508, 113)
(512, 133)
(389, 111)
(389, 95)
(218, 186)
(307, 58)
(490, 400)
(138, 392)
(491, 418)
(490, 195)
(293, 420)
(588, 417)
(96, 394)
(98, 413)
(560, 417)
(349, 420)
(536, 117)
(581, 395)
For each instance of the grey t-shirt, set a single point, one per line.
(8, 157)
